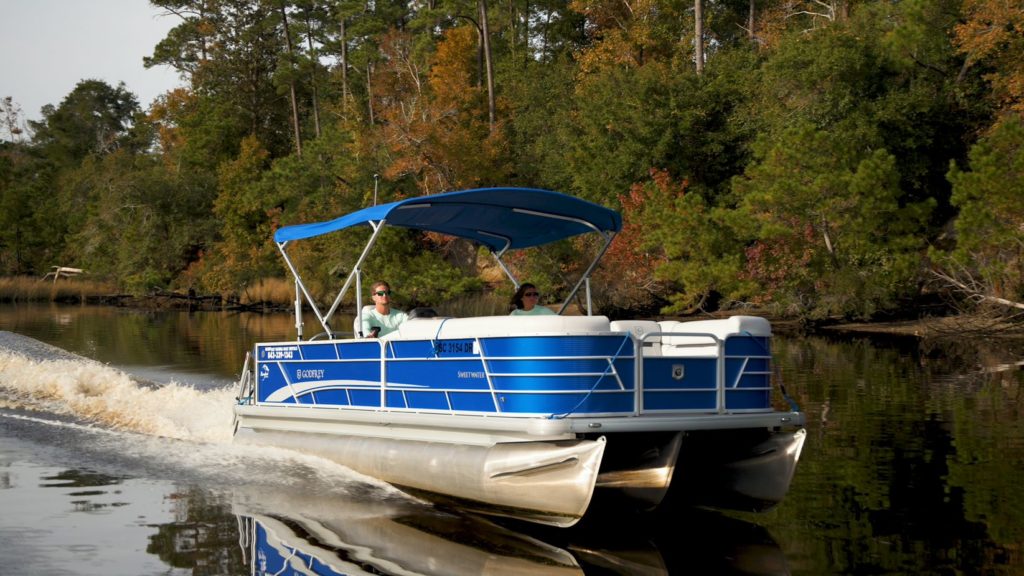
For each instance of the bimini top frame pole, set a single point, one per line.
(356, 271)
(584, 280)
(608, 237)
(586, 276)
(283, 247)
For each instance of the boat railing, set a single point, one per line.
(246, 384)
(720, 377)
(719, 344)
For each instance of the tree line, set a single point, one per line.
(818, 158)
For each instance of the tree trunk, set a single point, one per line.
(480, 73)
(291, 82)
(488, 62)
(828, 242)
(369, 89)
(544, 42)
(698, 35)
(344, 66)
(750, 21)
(312, 77)
(842, 10)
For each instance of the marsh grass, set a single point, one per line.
(270, 291)
(27, 288)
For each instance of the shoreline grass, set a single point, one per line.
(272, 291)
(30, 289)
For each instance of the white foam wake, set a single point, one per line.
(109, 397)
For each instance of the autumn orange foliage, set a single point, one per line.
(165, 112)
(434, 124)
(993, 32)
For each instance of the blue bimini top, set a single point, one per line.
(499, 218)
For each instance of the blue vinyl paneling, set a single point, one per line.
(333, 397)
(698, 373)
(396, 399)
(563, 403)
(427, 400)
(455, 374)
(319, 352)
(747, 399)
(359, 350)
(460, 348)
(685, 400)
(535, 374)
(365, 397)
(472, 401)
(585, 383)
(533, 346)
(747, 346)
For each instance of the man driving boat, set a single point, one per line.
(381, 319)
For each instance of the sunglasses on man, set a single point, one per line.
(383, 292)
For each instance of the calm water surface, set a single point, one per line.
(914, 464)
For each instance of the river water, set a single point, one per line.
(121, 462)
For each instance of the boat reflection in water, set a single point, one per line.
(332, 536)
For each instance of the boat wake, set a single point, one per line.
(34, 376)
(104, 415)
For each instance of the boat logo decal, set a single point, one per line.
(264, 372)
(309, 374)
(678, 372)
(468, 374)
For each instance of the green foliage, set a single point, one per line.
(248, 210)
(623, 127)
(990, 196)
(804, 169)
(829, 235)
(702, 257)
(94, 118)
(138, 223)
(27, 241)
(416, 270)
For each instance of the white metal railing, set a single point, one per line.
(388, 355)
(246, 386)
(720, 367)
(495, 390)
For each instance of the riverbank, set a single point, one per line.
(269, 299)
(935, 327)
(25, 289)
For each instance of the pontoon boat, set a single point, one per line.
(526, 415)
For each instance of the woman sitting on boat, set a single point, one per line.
(526, 302)
(381, 318)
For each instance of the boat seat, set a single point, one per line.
(422, 312)
(490, 326)
(639, 328)
(693, 339)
